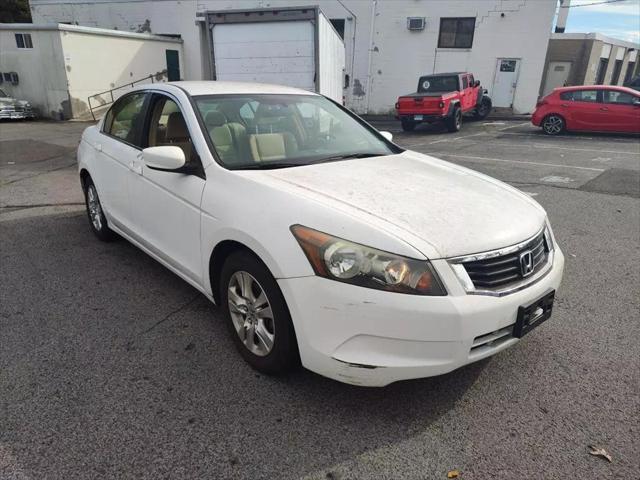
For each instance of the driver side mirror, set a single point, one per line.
(636, 102)
(387, 135)
(166, 158)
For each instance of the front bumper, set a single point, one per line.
(17, 114)
(372, 338)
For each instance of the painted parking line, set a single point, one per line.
(514, 126)
(542, 145)
(490, 159)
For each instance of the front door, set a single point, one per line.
(622, 110)
(504, 82)
(166, 205)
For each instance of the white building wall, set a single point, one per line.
(96, 63)
(43, 81)
(383, 58)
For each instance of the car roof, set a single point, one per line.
(596, 87)
(214, 87)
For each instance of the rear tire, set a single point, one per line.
(257, 314)
(454, 123)
(97, 220)
(408, 125)
(553, 124)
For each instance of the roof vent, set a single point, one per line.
(416, 23)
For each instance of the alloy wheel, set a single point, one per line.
(95, 209)
(251, 313)
(553, 125)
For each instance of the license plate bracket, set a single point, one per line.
(532, 315)
(418, 117)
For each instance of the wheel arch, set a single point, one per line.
(84, 175)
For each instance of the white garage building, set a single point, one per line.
(388, 43)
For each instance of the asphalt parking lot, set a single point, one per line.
(113, 367)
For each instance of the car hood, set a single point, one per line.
(455, 210)
(12, 102)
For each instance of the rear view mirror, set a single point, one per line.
(166, 158)
(387, 135)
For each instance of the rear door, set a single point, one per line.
(623, 114)
(118, 146)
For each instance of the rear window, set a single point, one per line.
(438, 84)
(580, 96)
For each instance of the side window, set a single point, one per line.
(621, 98)
(471, 80)
(124, 120)
(566, 96)
(465, 82)
(585, 96)
(168, 127)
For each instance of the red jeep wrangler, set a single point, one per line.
(443, 97)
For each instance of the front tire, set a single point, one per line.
(454, 123)
(97, 219)
(483, 110)
(257, 314)
(553, 124)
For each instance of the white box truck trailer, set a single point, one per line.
(296, 46)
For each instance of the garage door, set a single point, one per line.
(270, 52)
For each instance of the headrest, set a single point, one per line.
(214, 119)
(176, 126)
(272, 110)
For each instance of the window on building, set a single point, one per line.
(7, 77)
(456, 32)
(616, 96)
(23, 40)
(338, 24)
(631, 66)
(602, 70)
(617, 68)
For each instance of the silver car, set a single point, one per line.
(11, 108)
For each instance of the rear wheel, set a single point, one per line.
(553, 124)
(408, 125)
(454, 123)
(257, 314)
(97, 219)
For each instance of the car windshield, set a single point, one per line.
(438, 84)
(277, 131)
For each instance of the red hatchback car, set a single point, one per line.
(592, 108)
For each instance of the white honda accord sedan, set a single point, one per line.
(323, 242)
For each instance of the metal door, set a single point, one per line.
(557, 75)
(505, 82)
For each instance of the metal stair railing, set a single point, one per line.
(93, 108)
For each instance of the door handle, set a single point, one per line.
(604, 109)
(564, 104)
(98, 147)
(136, 165)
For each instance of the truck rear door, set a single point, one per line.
(280, 52)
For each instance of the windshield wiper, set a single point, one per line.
(267, 166)
(349, 156)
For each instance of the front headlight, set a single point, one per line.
(348, 262)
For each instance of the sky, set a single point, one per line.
(618, 19)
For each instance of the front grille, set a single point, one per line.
(499, 271)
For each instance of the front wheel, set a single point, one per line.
(483, 110)
(257, 314)
(553, 124)
(97, 219)
(454, 123)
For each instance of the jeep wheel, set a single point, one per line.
(483, 110)
(553, 124)
(408, 125)
(454, 123)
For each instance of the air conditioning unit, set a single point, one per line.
(416, 23)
